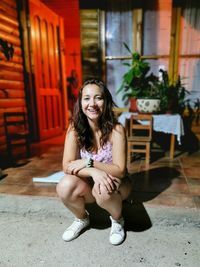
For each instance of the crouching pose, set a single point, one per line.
(94, 162)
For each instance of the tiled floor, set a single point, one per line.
(165, 182)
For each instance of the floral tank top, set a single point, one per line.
(104, 154)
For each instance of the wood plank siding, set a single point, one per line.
(12, 91)
(90, 44)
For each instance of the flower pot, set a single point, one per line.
(133, 105)
(148, 105)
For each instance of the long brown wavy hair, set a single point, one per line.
(107, 121)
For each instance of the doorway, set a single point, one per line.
(47, 69)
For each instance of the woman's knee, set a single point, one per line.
(66, 186)
(101, 197)
(125, 189)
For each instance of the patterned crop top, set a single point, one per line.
(104, 154)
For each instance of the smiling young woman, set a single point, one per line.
(92, 101)
(94, 161)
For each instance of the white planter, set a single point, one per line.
(148, 105)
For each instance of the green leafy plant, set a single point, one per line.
(137, 81)
(172, 95)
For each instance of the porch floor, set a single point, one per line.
(174, 183)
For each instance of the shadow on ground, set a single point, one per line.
(135, 216)
(146, 185)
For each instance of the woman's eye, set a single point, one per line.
(99, 98)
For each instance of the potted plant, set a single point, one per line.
(138, 83)
(172, 95)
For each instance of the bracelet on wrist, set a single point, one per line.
(90, 163)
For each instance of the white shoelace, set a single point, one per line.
(116, 228)
(76, 225)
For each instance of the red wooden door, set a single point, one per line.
(46, 67)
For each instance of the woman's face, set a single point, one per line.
(92, 101)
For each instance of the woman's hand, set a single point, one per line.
(75, 166)
(103, 179)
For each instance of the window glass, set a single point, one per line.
(189, 62)
(119, 29)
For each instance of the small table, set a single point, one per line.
(166, 123)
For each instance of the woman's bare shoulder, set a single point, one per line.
(118, 130)
(71, 132)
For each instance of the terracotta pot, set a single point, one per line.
(133, 105)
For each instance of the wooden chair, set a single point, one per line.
(139, 135)
(17, 133)
(119, 111)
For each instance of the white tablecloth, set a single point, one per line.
(166, 123)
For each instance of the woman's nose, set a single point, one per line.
(92, 102)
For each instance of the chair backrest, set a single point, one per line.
(141, 126)
(15, 122)
(119, 111)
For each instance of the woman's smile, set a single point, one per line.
(92, 101)
(93, 110)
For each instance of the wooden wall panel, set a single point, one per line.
(6, 8)
(11, 75)
(91, 59)
(8, 65)
(10, 3)
(9, 29)
(12, 92)
(9, 93)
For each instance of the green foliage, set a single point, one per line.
(140, 83)
(137, 82)
(172, 95)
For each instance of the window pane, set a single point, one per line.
(157, 25)
(189, 67)
(157, 64)
(119, 30)
(115, 71)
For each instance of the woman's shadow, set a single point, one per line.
(146, 185)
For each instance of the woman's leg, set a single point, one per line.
(74, 193)
(112, 202)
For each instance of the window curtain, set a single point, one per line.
(189, 63)
(119, 29)
(156, 32)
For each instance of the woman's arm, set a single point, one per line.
(71, 149)
(104, 174)
(117, 168)
(72, 164)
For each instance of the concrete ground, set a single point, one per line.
(157, 236)
(162, 223)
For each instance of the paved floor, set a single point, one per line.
(165, 182)
(162, 216)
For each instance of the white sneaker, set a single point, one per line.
(117, 234)
(74, 230)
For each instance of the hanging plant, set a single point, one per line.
(7, 49)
